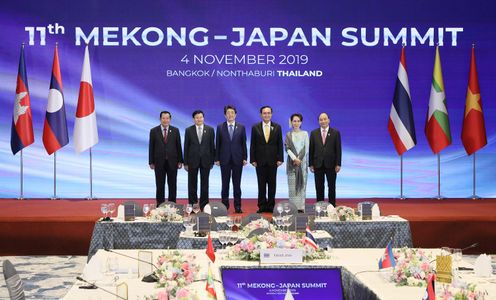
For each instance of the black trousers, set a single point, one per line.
(193, 185)
(266, 176)
(161, 173)
(330, 174)
(229, 171)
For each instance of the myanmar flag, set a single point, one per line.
(210, 288)
(437, 128)
(473, 129)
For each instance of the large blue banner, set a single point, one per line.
(307, 57)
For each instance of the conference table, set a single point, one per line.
(145, 234)
(360, 278)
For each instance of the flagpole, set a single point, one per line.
(474, 195)
(22, 179)
(402, 197)
(54, 176)
(91, 175)
(439, 176)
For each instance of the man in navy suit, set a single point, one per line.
(165, 156)
(231, 155)
(325, 157)
(266, 155)
(199, 154)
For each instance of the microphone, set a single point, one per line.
(463, 249)
(94, 286)
(152, 277)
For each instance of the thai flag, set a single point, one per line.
(22, 120)
(387, 260)
(400, 125)
(55, 135)
(85, 128)
(309, 239)
(430, 292)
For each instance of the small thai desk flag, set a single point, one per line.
(309, 239)
(387, 259)
(430, 292)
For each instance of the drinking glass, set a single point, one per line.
(230, 223)
(287, 209)
(318, 209)
(457, 257)
(196, 208)
(280, 209)
(222, 238)
(287, 222)
(233, 238)
(104, 209)
(237, 221)
(189, 209)
(111, 208)
(146, 209)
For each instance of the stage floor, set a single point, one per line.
(64, 227)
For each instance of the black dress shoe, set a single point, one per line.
(260, 211)
(238, 211)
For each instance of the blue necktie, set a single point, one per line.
(231, 132)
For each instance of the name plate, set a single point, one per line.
(281, 256)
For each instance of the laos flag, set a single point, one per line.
(55, 135)
(22, 120)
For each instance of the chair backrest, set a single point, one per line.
(302, 220)
(250, 218)
(292, 208)
(216, 209)
(323, 207)
(138, 210)
(258, 231)
(13, 281)
(211, 221)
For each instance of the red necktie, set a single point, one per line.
(165, 135)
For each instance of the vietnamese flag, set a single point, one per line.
(473, 128)
(210, 249)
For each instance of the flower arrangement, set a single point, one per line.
(181, 294)
(174, 271)
(461, 291)
(249, 249)
(412, 267)
(164, 214)
(256, 224)
(345, 213)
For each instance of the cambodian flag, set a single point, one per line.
(430, 291)
(55, 135)
(22, 120)
(387, 260)
(309, 239)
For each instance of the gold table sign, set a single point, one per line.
(444, 265)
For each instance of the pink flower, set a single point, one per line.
(182, 293)
(162, 295)
(185, 266)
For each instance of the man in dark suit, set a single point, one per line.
(199, 154)
(165, 156)
(266, 155)
(325, 157)
(231, 155)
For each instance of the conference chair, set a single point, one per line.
(250, 217)
(211, 220)
(13, 281)
(216, 209)
(292, 208)
(138, 210)
(258, 231)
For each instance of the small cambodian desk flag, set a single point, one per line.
(387, 259)
(22, 120)
(309, 239)
(401, 126)
(430, 292)
(55, 135)
(85, 128)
